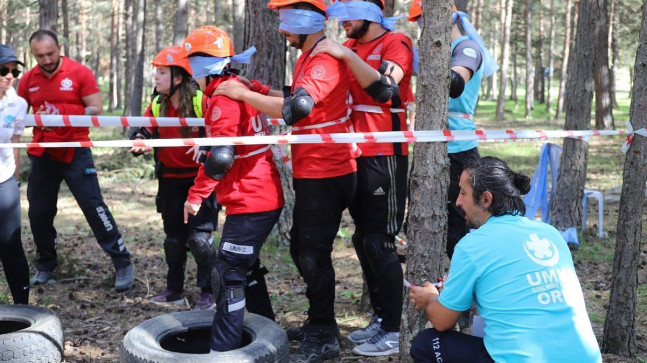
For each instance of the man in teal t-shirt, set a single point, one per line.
(519, 273)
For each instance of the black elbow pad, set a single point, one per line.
(220, 159)
(456, 85)
(383, 89)
(297, 107)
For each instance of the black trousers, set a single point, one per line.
(318, 208)
(243, 235)
(12, 255)
(449, 346)
(378, 212)
(42, 192)
(171, 195)
(457, 227)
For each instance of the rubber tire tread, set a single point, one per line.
(269, 343)
(41, 341)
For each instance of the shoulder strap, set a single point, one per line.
(155, 106)
(197, 103)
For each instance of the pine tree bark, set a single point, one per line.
(47, 14)
(564, 68)
(140, 49)
(619, 325)
(159, 26)
(66, 28)
(129, 62)
(615, 52)
(551, 58)
(505, 55)
(389, 7)
(603, 106)
(566, 210)
(239, 27)
(426, 226)
(529, 80)
(261, 30)
(113, 90)
(477, 15)
(181, 24)
(539, 58)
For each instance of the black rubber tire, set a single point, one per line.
(190, 331)
(30, 334)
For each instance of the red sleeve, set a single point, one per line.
(202, 187)
(87, 81)
(399, 51)
(321, 76)
(223, 117)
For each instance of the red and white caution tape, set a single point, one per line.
(119, 121)
(339, 138)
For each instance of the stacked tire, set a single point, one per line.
(30, 334)
(184, 337)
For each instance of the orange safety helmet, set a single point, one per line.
(415, 10)
(275, 4)
(172, 56)
(210, 40)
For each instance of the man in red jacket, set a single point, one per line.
(61, 86)
(247, 185)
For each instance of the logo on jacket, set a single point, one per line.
(215, 113)
(318, 72)
(34, 89)
(8, 120)
(66, 85)
(541, 251)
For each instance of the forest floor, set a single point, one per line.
(96, 318)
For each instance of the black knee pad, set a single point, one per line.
(227, 281)
(201, 246)
(174, 246)
(308, 265)
(380, 252)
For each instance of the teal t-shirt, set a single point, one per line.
(520, 273)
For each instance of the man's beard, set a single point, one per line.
(52, 69)
(356, 33)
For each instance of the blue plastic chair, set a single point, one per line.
(541, 196)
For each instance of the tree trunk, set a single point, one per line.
(539, 59)
(140, 49)
(47, 14)
(615, 51)
(505, 55)
(529, 80)
(566, 210)
(603, 106)
(477, 15)
(261, 30)
(113, 90)
(217, 11)
(181, 26)
(619, 325)
(551, 58)
(426, 226)
(239, 29)
(461, 5)
(66, 28)
(389, 6)
(514, 82)
(564, 68)
(129, 63)
(159, 26)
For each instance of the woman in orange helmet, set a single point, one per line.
(324, 174)
(175, 168)
(246, 182)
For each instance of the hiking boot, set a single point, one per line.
(296, 334)
(382, 343)
(362, 335)
(43, 277)
(206, 301)
(124, 277)
(319, 343)
(168, 297)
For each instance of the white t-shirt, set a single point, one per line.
(13, 110)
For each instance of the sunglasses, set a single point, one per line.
(5, 70)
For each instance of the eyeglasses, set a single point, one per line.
(5, 70)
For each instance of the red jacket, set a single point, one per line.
(253, 184)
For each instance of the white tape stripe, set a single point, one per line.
(236, 306)
(375, 109)
(119, 121)
(255, 152)
(340, 138)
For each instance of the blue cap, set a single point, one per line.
(7, 54)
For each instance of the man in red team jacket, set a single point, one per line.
(61, 86)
